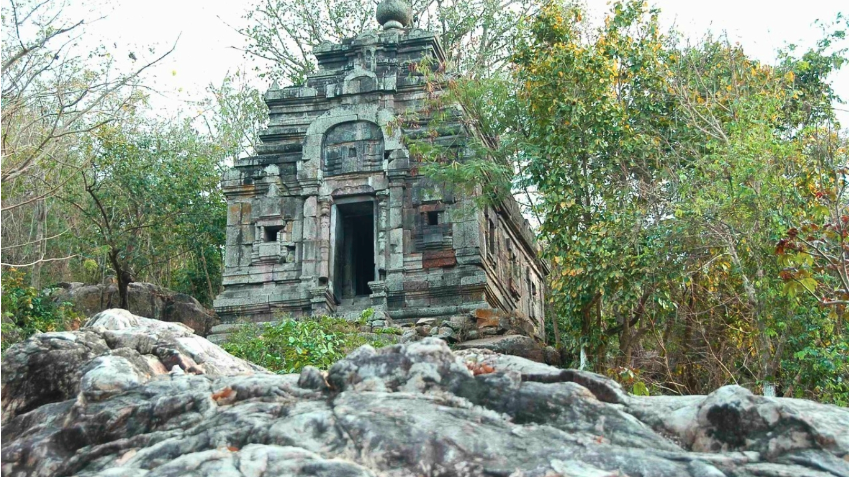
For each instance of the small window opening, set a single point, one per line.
(271, 232)
(352, 152)
(433, 218)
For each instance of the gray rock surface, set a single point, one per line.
(115, 351)
(144, 299)
(516, 345)
(406, 410)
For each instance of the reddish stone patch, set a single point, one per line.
(487, 317)
(438, 258)
(438, 207)
(478, 369)
(224, 396)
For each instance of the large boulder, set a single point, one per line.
(144, 299)
(412, 409)
(114, 351)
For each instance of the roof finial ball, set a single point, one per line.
(394, 14)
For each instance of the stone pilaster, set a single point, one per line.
(382, 232)
(324, 204)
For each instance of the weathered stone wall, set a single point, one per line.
(338, 140)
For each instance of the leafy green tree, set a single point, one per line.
(234, 115)
(666, 175)
(150, 195)
(663, 175)
(598, 122)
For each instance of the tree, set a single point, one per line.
(234, 115)
(598, 107)
(53, 95)
(666, 175)
(477, 35)
(149, 197)
(663, 175)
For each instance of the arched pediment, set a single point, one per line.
(312, 166)
(355, 146)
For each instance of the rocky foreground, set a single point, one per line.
(127, 396)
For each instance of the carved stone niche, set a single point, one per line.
(352, 147)
(273, 243)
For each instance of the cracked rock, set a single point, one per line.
(404, 410)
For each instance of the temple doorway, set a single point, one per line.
(353, 250)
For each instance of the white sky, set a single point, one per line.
(205, 50)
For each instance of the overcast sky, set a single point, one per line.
(205, 50)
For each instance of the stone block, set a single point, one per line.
(416, 285)
(447, 334)
(551, 356)
(476, 279)
(459, 322)
(409, 336)
(234, 213)
(488, 317)
(396, 214)
(516, 345)
(246, 213)
(310, 207)
(438, 258)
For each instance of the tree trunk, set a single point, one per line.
(40, 219)
(124, 278)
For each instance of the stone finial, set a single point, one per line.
(394, 14)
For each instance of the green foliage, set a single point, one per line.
(150, 197)
(77, 130)
(666, 174)
(236, 113)
(597, 121)
(663, 175)
(639, 389)
(286, 346)
(26, 311)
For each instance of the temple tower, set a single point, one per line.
(332, 215)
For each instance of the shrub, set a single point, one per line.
(286, 346)
(26, 311)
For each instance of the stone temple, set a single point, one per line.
(332, 215)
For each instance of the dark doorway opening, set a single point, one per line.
(354, 250)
